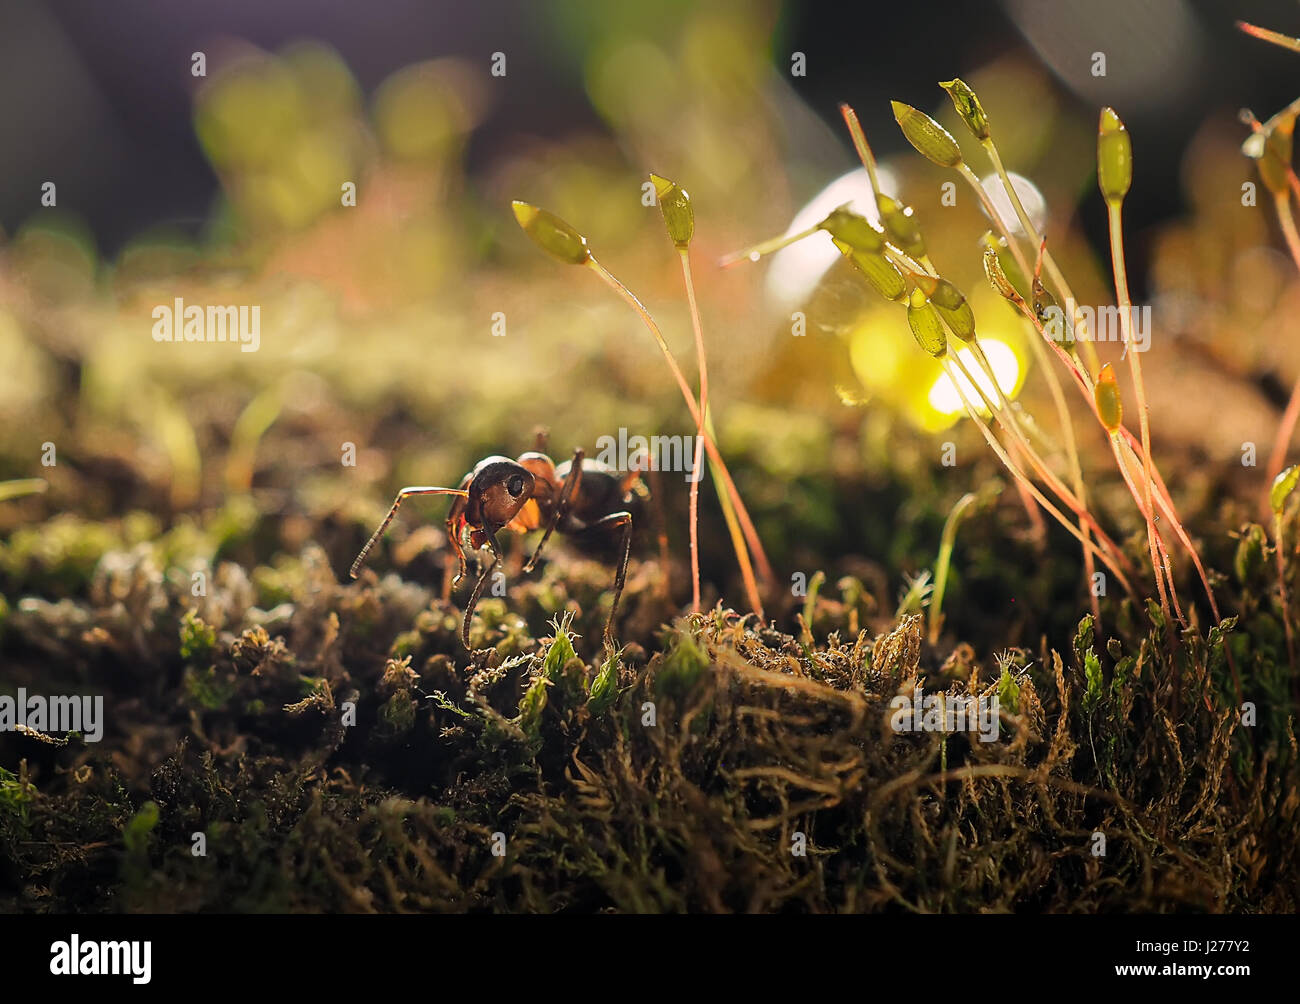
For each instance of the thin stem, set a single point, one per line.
(766, 247)
(1053, 271)
(1040, 357)
(1164, 500)
(944, 560)
(718, 466)
(1125, 305)
(1277, 38)
(22, 486)
(737, 542)
(1122, 461)
(1286, 429)
(860, 144)
(702, 363)
(1076, 506)
(1281, 585)
(1019, 474)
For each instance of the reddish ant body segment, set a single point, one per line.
(525, 494)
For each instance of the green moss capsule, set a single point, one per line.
(997, 276)
(552, 234)
(968, 107)
(1114, 157)
(1010, 268)
(931, 140)
(856, 231)
(951, 304)
(1106, 393)
(1052, 317)
(675, 204)
(879, 271)
(926, 325)
(1283, 485)
(901, 226)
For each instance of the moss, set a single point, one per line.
(604, 688)
(683, 667)
(16, 795)
(57, 557)
(208, 688)
(198, 639)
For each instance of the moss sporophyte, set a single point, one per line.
(892, 258)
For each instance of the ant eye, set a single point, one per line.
(515, 485)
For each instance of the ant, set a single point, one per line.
(574, 497)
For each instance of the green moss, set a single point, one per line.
(208, 688)
(1009, 692)
(135, 835)
(198, 638)
(604, 688)
(682, 668)
(560, 651)
(59, 556)
(16, 795)
(531, 706)
(397, 715)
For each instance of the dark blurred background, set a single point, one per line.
(102, 90)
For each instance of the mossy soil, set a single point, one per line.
(330, 746)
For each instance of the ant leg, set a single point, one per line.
(561, 506)
(456, 524)
(613, 520)
(488, 568)
(397, 504)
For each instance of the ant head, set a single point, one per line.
(497, 492)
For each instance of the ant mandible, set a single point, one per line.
(579, 495)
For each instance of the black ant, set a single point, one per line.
(499, 493)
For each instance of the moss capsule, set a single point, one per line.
(1010, 268)
(1114, 157)
(879, 271)
(952, 306)
(926, 325)
(931, 140)
(997, 277)
(552, 234)
(968, 107)
(901, 226)
(1106, 394)
(1283, 485)
(675, 204)
(856, 231)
